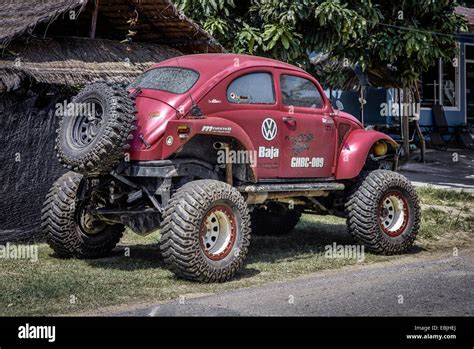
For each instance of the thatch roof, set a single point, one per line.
(77, 61)
(49, 40)
(156, 21)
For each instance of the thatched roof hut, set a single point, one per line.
(155, 21)
(77, 61)
(47, 49)
(56, 41)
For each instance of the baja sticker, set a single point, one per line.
(269, 129)
(214, 101)
(297, 162)
(216, 129)
(269, 153)
(328, 121)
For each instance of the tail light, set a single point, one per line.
(183, 131)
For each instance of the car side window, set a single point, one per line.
(253, 88)
(300, 92)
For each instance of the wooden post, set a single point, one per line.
(95, 12)
(405, 126)
(421, 137)
(422, 141)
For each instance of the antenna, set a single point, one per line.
(195, 110)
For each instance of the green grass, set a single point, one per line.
(445, 211)
(436, 222)
(430, 195)
(48, 286)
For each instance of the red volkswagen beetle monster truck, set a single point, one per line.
(211, 147)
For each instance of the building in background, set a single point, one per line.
(450, 84)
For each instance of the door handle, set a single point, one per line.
(289, 119)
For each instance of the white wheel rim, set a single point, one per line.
(393, 214)
(217, 233)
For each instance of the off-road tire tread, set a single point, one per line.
(59, 226)
(361, 211)
(110, 148)
(179, 243)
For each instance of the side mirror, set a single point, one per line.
(337, 108)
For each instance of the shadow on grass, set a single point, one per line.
(143, 257)
(310, 236)
(307, 237)
(131, 257)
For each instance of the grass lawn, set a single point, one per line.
(134, 272)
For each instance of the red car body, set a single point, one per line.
(168, 163)
(309, 142)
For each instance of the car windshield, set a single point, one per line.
(169, 79)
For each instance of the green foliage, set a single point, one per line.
(408, 35)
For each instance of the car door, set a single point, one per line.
(249, 99)
(308, 137)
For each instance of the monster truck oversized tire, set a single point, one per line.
(62, 222)
(93, 144)
(276, 219)
(205, 231)
(383, 212)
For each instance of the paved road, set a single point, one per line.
(437, 287)
(453, 169)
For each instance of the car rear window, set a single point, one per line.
(169, 79)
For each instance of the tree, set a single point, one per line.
(393, 43)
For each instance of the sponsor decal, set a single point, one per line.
(301, 142)
(216, 129)
(301, 162)
(237, 98)
(214, 101)
(169, 140)
(328, 121)
(154, 116)
(269, 153)
(269, 129)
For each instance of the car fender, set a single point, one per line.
(214, 126)
(355, 150)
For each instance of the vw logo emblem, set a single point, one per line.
(269, 129)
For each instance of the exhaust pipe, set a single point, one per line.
(219, 145)
(228, 163)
